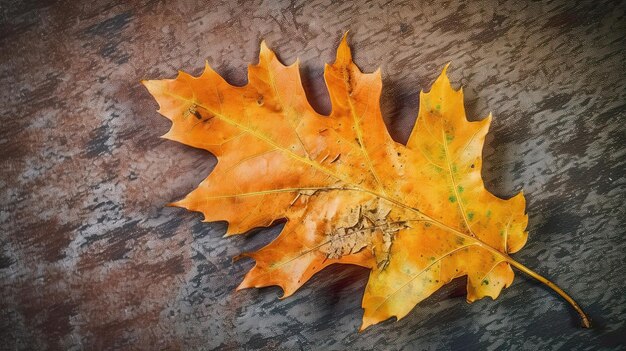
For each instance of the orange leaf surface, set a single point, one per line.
(417, 215)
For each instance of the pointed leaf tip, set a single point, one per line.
(344, 55)
(366, 323)
(444, 73)
(208, 70)
(443, 81)
(264, 46)
(151, 85)
(265, 54)
(445, 68)
(242, 286)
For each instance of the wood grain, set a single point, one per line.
(91, 259)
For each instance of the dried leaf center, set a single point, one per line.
(367, 225)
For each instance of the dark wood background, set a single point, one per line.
(91, 259)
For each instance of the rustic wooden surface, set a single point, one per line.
(91, 259)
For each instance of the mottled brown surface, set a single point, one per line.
(91, 259)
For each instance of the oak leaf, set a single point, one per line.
(417, 215)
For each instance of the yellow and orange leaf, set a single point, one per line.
(417, 216)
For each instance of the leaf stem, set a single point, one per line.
(585, 320)
(542, 279)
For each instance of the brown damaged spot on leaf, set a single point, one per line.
(362, 227)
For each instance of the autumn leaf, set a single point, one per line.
(417, 215)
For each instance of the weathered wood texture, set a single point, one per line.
(91, 259)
